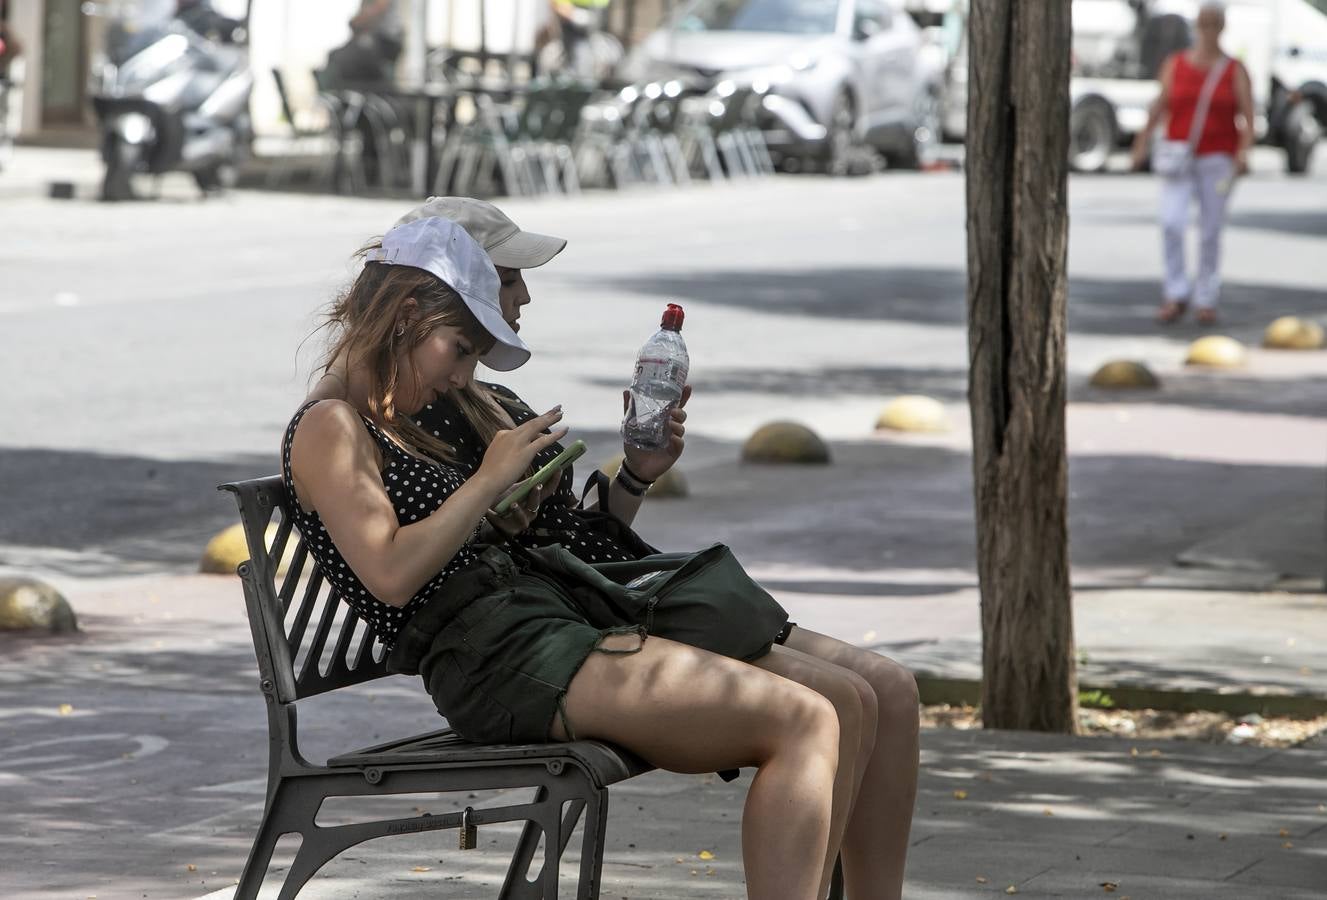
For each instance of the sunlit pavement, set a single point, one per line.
(153, 347)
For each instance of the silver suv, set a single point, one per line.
(836, 75)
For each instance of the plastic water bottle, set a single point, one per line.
(661, 373)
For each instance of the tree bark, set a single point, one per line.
(1017, 175)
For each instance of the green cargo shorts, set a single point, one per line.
(497, 649)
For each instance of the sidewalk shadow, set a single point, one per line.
(884, 505)
(1303, 395)
(93, 514)
(936, 296)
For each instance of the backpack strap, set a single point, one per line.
(597, 481)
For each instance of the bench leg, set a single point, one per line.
(592, 845)
(286, 812)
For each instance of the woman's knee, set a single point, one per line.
(866, 696)
(806, 717)
(895, 689)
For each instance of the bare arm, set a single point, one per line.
(335, 467)
(369, 15)
(1243, 116)
(649, 464)
(1156, 112)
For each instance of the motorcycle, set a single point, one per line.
(170, 99)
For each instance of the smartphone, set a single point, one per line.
(554, 467)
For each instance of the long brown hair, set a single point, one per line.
(364, 321)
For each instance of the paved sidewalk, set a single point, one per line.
(158, 764)
(1051, 817)
(132, 757)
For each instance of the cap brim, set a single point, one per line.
(509, 351)
(526, 250)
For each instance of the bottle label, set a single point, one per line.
(666, 370)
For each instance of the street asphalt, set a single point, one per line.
(153, 350)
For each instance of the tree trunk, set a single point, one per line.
(1017, 163)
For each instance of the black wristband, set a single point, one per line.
(625, 480)
(632, 475)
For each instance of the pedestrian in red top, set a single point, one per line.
(1206, 102)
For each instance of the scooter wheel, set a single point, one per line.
(117, 185)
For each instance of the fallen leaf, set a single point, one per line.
(1133, 751)
(66, 709)
(869, 636)
(422, 869)
(1287, 845)
(191, 867)
(1221, 836)
(1011, 890)
(1155, 753)
(711, 871)
(695, 872)
(679, 859)
(705, 854)
(960, 795)
(1284, 832)
(1047, 812)
(985, 776)
(982, 879)
(1109, 886)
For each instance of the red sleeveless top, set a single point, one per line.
(1219, 132)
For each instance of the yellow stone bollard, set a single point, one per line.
(785, 442)
(1216, 351)
(1293, 333)
(913, 412)
(1124, 373)
(228, 549)
(30, 605)
(670, 485)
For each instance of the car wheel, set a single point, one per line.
(1092, 135)
(925, 134)
(841, 144)
(1300, 135)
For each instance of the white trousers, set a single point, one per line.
(1210, 178)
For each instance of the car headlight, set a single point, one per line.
(803, 62)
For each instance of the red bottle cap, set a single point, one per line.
(672, 317)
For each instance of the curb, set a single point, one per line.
(966, 691)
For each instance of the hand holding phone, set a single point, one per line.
(554, 467)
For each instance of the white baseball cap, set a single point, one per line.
(443, 248)
(506, 243)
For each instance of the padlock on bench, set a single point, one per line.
(469, 832)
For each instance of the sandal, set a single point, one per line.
(1172, 311)
(1205, 315)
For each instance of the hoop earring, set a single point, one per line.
(400, 331)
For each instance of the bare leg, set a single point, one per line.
(687, 710)
(875, 843)
(854, 702)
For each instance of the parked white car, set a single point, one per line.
(835, 74)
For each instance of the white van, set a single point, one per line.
(1119, 45)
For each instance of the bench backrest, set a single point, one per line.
(307, 639)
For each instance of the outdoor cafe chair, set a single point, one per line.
(312, 137)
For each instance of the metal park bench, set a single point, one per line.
(309, 642)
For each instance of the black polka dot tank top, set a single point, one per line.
(556, 522)
(416, 487)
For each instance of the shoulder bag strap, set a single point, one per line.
(1205, 101)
